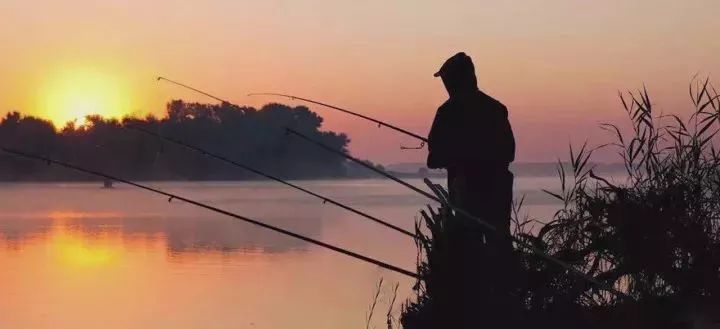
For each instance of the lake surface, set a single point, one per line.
(79, 256)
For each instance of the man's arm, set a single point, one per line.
(438, 141)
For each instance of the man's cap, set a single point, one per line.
(457, 63)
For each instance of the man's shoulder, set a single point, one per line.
(492, 104)
(445, 105)
(445, 109)
(485, 98)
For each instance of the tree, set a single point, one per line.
(256, 137)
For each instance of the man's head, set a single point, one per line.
(458, 74)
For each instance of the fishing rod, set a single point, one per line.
(423, 140)
(246, 167)
(172, 196)
(196, 90)
(269, 176)
(358, 161)
(464, 213)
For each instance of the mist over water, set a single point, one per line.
(79, 256)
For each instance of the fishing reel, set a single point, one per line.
(420, 147)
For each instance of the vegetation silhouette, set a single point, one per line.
(654, 235)
(254, 135)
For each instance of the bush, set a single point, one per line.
(654, 235)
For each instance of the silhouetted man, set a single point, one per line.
(471, 137)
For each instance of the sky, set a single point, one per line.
(557, 65)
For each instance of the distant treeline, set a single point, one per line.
(253, 136)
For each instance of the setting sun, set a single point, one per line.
(72, 94)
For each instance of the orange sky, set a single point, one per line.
(556, 64)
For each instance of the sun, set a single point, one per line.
(72, 94)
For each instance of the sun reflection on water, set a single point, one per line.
(74, 250)
(65, 215)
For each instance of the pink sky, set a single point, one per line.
(557, 65)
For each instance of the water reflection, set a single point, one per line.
(78, 256)
(79, 251)
(180, 235)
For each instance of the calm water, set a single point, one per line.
(78, 256)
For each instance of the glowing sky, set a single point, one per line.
(556, 64)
